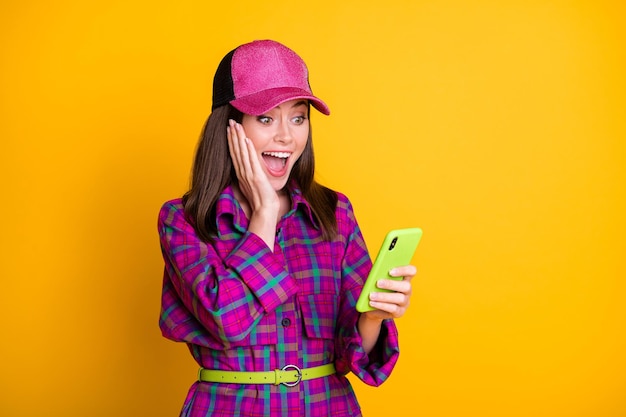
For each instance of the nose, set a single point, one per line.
(283, 133)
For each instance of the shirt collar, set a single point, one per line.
(299, 202)
(229, 212)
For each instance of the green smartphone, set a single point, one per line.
(397, 249)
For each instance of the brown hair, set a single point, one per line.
(213, 171)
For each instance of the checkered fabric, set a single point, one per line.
(239, 306)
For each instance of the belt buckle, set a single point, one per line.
(294, 367)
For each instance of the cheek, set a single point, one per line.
(251, 127)
(302, 144)
(303, 137)
(258, 137)
(302, 148)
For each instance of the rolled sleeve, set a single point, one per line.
(212, 301)
(375, 368)
(262, 272)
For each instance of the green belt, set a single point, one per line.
(290, 375)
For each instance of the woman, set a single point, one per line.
(263, 265)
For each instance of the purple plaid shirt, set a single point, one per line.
(240, 306)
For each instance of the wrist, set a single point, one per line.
(369, 322)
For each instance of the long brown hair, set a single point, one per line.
(213, 171)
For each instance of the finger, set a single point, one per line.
(247, 151)
(388, 309)
(233, 147)
(396, 298)
(408, 271)
(393, 303)
(255, 163)
(402, 286)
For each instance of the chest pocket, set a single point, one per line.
(319, 314)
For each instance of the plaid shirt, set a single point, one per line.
(240, 306)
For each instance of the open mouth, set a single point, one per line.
(276, 161)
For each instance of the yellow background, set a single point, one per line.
(498, 127)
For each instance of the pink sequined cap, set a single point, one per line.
(260, 75)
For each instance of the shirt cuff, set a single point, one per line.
(375, 368)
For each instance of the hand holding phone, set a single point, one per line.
(396, 250)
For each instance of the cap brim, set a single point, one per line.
(263, 101)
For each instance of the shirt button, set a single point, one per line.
(286, 322)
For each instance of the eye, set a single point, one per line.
(266, 120)
(299, 119)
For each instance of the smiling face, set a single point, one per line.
(279, 137)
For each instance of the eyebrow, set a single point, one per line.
(300, 103)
